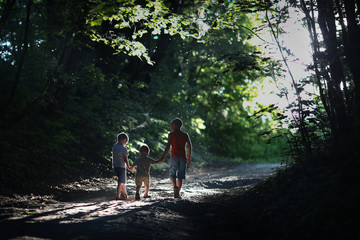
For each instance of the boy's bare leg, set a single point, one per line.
(123, 188)
(118, 191)
(146, 190)
(137, 195)
(173, 181)
(176, 187)
(138, 189)
(179, 183)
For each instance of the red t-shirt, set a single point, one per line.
(178, 140)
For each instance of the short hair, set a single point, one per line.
(177, 122)
(122, 136)
(144, 148)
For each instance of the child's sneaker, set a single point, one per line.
(147, 196)
(137, 196)
(176, 192)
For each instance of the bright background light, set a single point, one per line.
(296, 39)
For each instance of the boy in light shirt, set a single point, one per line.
(120, 162)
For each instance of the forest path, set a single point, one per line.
(94, 214)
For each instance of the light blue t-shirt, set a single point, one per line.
(119, 152)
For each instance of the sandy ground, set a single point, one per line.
(87, 209)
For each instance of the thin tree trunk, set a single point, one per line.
(346, 49)
(328, 29)
(23, 55)
(322, 74)
(51, 83)
(315, 46)
(5, 13)
(301, 120)
(353, 55)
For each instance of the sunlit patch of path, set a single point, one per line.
(95, 214)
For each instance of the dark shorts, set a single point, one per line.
(142, 179)
(177, 167)
(121, 174)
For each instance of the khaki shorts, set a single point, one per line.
(142, 179)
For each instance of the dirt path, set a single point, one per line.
(94, 214)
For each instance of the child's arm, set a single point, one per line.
(158, 161)
(133, 168)
(153, 161)
(167, 148)
(189, 148)
(126, 161)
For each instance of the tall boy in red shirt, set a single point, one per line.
(177, 140)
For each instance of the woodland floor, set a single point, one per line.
(244, 201)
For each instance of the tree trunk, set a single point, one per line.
(301, 119)
(22, 58)
(5, 13)
(52, 80)
(343, 117)
(317, 64)
(353, 56)
(345, 41)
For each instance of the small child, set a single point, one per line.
(143, 164)
(178, 141)
(120, 162)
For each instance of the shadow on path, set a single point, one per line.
(95, 215)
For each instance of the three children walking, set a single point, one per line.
(178, 142)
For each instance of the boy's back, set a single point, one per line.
(143, 164)
(178, 140)
(119, 151)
